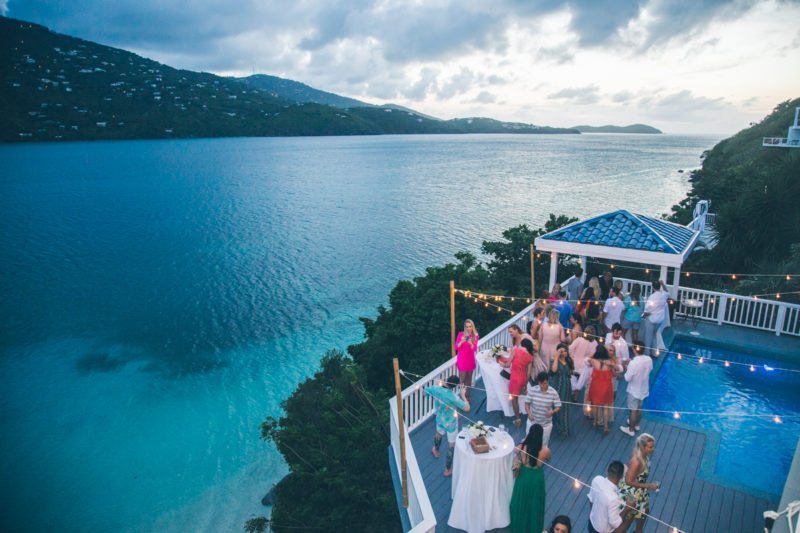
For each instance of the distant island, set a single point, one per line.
(633, 128)
(60, 88)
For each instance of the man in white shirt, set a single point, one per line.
(614, 338)
(638, 378)
(656, 312)
(607, 504)
(612, 310)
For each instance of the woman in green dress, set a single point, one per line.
(527, 499)
(560, 373)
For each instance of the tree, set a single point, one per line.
(334, 437)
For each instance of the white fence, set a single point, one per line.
(743, 311)
(418, 407)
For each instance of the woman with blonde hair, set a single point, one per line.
(550, 336)
(466, 346)
(634, 485)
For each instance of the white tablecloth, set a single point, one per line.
(496, 385)
(482, 485)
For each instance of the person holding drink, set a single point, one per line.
(466, 346)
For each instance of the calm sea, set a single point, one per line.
(160, 298)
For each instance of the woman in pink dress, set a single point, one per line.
(466, 346)
(521, 359)
(550, 336)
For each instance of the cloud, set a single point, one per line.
(577, 95)
(485, 97)
(622, 97)
(683, 104)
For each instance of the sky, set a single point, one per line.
(683, 66)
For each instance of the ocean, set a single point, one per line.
(161, 298)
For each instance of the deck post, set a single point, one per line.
(676, 283)
(663, 275)
(533, 274)
(780, 319)
(401, 423)
(584, 266)
(723, 305)
(553, 269)
(452, 318)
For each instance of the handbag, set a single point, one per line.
(505, 374)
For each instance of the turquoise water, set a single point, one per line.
(160, 298)
(753, 454)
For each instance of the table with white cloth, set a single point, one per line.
(496, 386)
(482, 484)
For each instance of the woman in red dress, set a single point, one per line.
(601, 391)
(521, 359)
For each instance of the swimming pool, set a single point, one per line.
(750, 454)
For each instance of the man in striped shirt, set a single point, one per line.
(541, 403)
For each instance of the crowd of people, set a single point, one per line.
(580, 339)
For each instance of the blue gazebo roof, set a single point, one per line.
(622, 229)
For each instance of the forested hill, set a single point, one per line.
(56, 87)
(633, 128)
(755, 192)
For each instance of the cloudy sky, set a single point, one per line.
(685, 66)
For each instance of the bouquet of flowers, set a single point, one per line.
(477, 430)
(499, 350)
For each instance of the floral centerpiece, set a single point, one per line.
(478, 429)
(499, 350)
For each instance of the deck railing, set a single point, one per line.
(418, 407)
(724, 308)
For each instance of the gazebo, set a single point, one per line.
(622, 236)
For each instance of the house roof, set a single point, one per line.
(623, 236)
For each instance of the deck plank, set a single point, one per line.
(685, 501)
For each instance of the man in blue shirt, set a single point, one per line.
(564, 309)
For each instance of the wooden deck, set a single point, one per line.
(689, 503)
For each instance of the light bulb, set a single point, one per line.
(676, 415)
(680, 356)
(576, 484)
(752, 368)
(727, 363)
(733, 276)
(777, 420)
(700, 360)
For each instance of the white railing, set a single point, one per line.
(743, 311)
(418, 407)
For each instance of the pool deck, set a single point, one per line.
(685, 501)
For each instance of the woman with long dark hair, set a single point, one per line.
(560, 375)
(528, 497)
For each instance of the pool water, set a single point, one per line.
(754, 454)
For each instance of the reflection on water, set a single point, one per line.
(161, 297)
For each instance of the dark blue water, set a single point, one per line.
(754, 454)
(160, 298)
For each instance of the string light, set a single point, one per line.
(732, 275)
(577, 483)
(657, 351)
(700, 360)
(752, 368)
(677, 415)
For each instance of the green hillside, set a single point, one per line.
(755, 192)
(298, 92)
(633, 128)
(55, 87)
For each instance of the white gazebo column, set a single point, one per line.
(663, 275)
(584, 266)
(676, 282)
(553, 269)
